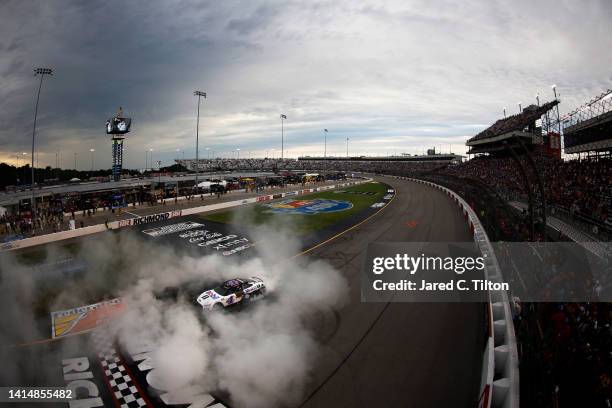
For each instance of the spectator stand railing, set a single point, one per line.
(576, 228)
(588, 225)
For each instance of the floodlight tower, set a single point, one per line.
(199, 94)
(282, 118)
(42, 72)
(325, 148)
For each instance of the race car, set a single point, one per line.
(231, 292)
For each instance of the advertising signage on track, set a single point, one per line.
(316, 206)
(150, 218)
(224, 243)
(171, 229)
(84, 318)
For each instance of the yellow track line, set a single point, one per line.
(346, 230)
(49, 340)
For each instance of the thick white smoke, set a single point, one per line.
(260, 356)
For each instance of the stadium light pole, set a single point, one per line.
(24, 172)
(520, 107)
(42, 72)
(238, 150)
(282, 118)
(17, 168)
(151, 158)
(17, 171)
(177, 154)
(537, 96)
(347, 140)
(75, 160)
(505, 112)
(208, 153)
(199, 94)
(325, 150)
(92, 158)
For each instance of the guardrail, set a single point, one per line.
(499, 387)
(62, 235)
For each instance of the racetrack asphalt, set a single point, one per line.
(398, 354)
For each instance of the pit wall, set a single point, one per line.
(94, 229)
(499, 386)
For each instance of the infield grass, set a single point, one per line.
(361, 196)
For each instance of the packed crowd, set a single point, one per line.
(566, 353)
(49, 217)
(583, 188)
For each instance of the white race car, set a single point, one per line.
(231, 292)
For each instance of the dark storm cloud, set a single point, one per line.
(262, 16)
(393, 77)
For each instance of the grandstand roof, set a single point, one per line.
(514, 123)
(589, 128)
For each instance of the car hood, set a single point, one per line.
(208, 298)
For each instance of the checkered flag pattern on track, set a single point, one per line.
(122, 385)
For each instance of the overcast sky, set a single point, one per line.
(392, 76)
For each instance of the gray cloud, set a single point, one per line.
(394, 77)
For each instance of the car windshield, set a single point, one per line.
(221, 290)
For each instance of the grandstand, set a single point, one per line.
(588, 129)
(431, 156)
(524, 128)
(314, 163)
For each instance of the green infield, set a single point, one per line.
(306, 213)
